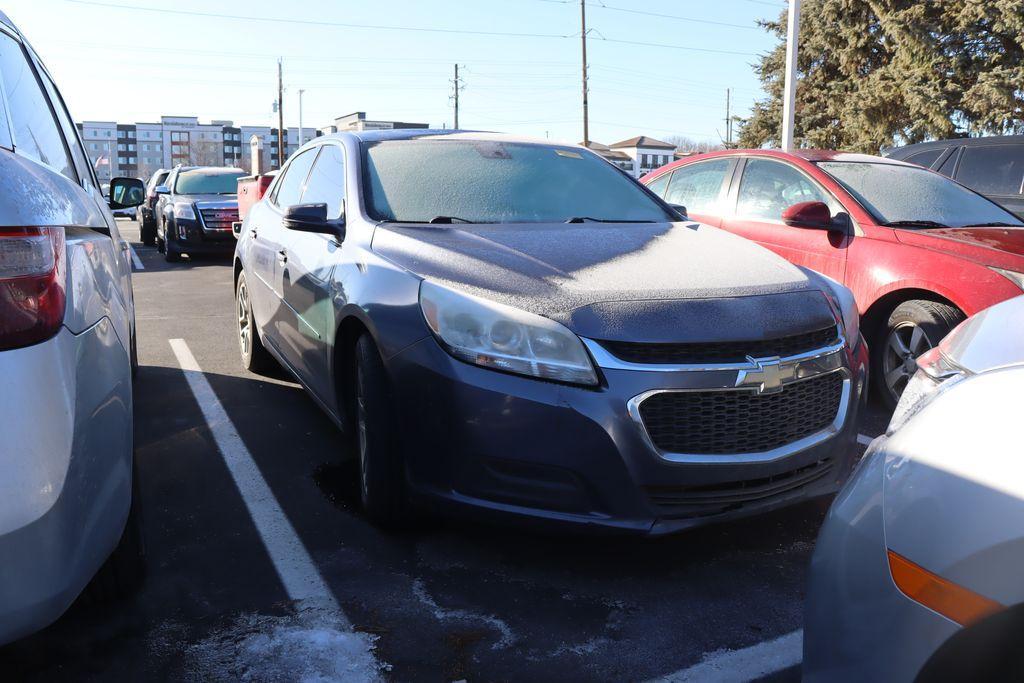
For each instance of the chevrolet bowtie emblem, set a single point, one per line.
(766, 375)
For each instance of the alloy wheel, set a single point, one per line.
(904, 344)
(244, 320)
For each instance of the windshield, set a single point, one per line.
(207, 182)
(915, 197)
(481, 181)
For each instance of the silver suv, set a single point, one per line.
(67, 351)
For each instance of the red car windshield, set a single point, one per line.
(908, 196)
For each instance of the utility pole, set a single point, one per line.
(728, 122)
(583, 38)
(456, 97)
(300, 116)
(280, 116)
(789, 93)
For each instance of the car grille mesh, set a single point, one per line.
(219, 219)
(741, 421)
(722, 352)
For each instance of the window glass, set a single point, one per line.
(769, 187)
(78, 154)
(36, 134)
(992, 169)
(658, 186)
(490, 181)
(696, 186)
(207, 181)
(912, 197)
(289, 190)
(326, 183)
(947, 166)
(926, 158)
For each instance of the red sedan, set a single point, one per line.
(919, 251)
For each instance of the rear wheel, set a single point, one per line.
(381, 469)
(914, 327)
(147, 232)
(255, 357)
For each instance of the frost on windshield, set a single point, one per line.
(896, 193)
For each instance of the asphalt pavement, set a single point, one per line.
(248, 504)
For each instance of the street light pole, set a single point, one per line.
(300, 116)
(789, 93)
(586, 89)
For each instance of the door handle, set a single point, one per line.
(282, 256)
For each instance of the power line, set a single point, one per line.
(677, 17)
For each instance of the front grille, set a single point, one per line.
(740, 421)
(722, 352)
(219, 219)
(712, 499)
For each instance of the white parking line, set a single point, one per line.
(135, 259)
(294, 566)
(864, 439)
(726, 666)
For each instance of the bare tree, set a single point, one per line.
(206, 153)
(685, 144)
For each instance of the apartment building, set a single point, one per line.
(646, 152)
(139, 149)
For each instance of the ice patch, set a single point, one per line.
(441, 614)
(311, 647)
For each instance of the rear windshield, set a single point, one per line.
(207, 182)
(479, 181)
(915, 197)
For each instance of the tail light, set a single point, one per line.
(31, 285)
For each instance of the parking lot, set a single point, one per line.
(241, 476)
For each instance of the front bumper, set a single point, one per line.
(513, 447)
(65, 471)
(858, 625)
(190, 237)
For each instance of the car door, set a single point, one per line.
(270, 247)
(701, 187)
(768, 187)
(307, 276)
(996, 171)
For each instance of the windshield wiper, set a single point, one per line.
(914, 224)
(994, 224)
(449, 220)
(590, 219)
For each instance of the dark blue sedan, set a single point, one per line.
(518, 329)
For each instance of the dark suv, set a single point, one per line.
(147, 222)
(992, 166)
(195, 210)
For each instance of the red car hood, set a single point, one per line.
(994, 246)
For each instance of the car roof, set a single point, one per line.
(900, 152)
(417, 133)
(811, 155)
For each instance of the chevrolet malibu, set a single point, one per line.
(520, 330)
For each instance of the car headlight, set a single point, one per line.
(184, 210)
(1015, 278)
(500, 337)
(845, 307)
(935, 374)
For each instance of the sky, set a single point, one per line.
(657, 67)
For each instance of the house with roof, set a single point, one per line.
(646, 153)
(620, 159)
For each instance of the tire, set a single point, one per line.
(381, 469)
(147, 233)
(124, 571)
(172, 253)
(914, 327)
(255, 357)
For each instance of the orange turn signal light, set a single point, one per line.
(954, 602)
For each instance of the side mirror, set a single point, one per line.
(313, 218)
(161, 189)
(808, 215)
(126, 193)
(680, 209)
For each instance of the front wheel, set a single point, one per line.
(255, 357)
(381, 468)
(913, 328)
(172, 252)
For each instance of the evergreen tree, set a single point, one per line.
(874, 73)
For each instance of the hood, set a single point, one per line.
(989, 340)
(207, 198)
(628, 282)
(992, 246)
